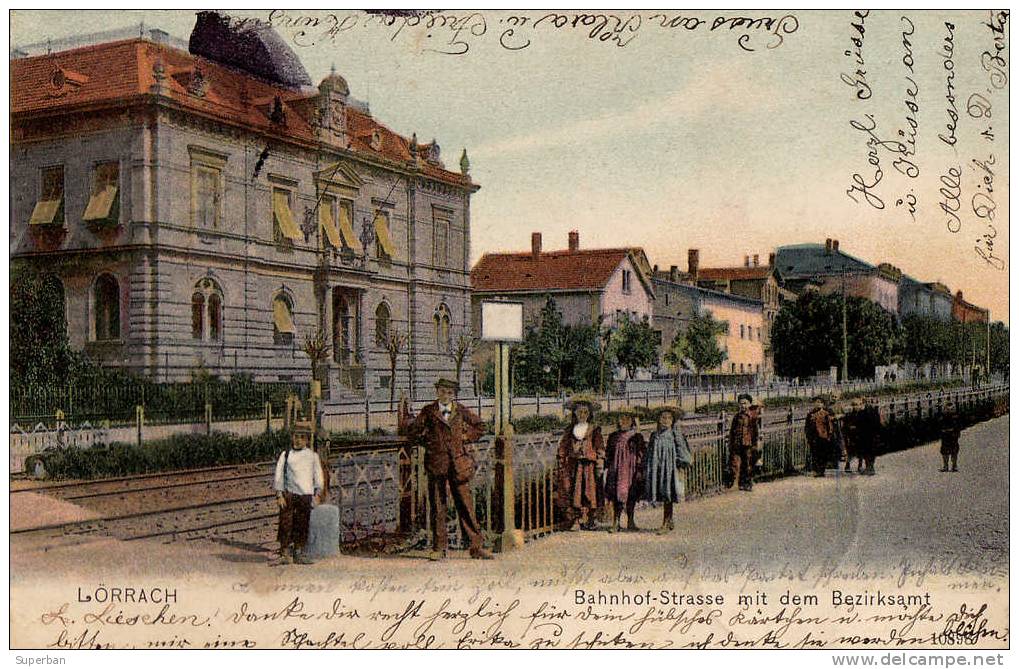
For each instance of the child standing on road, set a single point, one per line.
(667, 450)
(951, 428)
(298, 480)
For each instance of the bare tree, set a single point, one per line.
(316, 347)
(396, 341)
(461, 348)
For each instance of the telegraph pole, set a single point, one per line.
(845, 332)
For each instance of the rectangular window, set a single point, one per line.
(206, 195)
(626, 281)
(104, 202)
(285, 230)
(440, 242)
(49, 209)
(345, 212)
(384, 247)
(329, 232)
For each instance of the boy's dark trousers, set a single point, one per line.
(821, 451)
(294, 519)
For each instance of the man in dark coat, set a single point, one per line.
(862, 432)
(820, 431)
(446, 428)
(744, 442)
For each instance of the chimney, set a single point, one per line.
(757, 260)
(827, 246)
(535, 244)
(693, 261)
(654, 271)
(835, 245)
(674, 274)
(771, 260)
(746, 261)
(574, 241)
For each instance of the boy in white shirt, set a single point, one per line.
(298, 481)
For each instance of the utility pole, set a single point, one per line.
(845, 332)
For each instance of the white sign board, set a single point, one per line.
(502, 321)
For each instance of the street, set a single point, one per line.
(909, 510)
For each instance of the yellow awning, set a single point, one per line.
(382, 234)
(282, 317)
(285, 220)
(45, 212)
(100, 204)
(328, 225)
(347, 230)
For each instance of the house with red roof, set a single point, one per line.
(203, 210)
(586, 284)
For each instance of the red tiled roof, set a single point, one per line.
(556, 270)
(733, 273)
(122, 72)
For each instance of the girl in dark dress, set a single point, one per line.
(624, 477)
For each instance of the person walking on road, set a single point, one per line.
(446, 428)
(299, 479)
(819, 426)
(951, 430)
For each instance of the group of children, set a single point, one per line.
(593, 472)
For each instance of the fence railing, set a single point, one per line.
(383, 487)
(164, 403)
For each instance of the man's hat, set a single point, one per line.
(443, 382)
(302, 427)
(745, 396)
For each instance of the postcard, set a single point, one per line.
(536, 329)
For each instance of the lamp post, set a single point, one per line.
(503, 323)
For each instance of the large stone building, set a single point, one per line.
(208, 214)
(830, 270)
(676, 300)
(924, 299)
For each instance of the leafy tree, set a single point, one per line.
(636, 345)
(702, 342)
(675, 357)
(999, 348)
(40, 350)
(807, 335)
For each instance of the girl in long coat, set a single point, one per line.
(667, 451)
(580, 450)
(624, 477)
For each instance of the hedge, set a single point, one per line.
(180, 451)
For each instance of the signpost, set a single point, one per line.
(503, 323)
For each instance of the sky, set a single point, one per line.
(673, 137)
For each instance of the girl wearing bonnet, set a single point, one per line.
(667, 451)
(624, 461)
(581, 451)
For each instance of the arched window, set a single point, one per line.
(106, 308)
(283, 320)
(382, 318)
(442, 321)
(207, 311)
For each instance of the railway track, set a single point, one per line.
(235, 500)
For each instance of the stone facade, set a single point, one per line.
(196, 255)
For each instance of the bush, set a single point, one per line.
(181, 451)
(532, 424)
